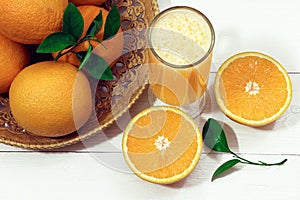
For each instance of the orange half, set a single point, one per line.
(162, 144)
(253, 88)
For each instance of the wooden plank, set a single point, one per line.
(80, 176)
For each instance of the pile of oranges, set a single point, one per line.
(47, 98)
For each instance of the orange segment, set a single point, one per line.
(168, 148)
(253, 88)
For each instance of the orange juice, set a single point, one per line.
(181, 40)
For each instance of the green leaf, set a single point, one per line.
(56, 42)
(73, 21)
(95, 26)
(112, 24)
(107, 75)
(224, 167)
(98, 67)
(214, 136)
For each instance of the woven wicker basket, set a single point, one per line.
(110, 96)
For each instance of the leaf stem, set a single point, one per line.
(260, 163)
(96, 40)
(60, 54)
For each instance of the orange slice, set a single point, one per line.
(162, 144)
(253, 88)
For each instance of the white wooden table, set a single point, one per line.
(95, 169)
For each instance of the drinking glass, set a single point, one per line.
(181, 41)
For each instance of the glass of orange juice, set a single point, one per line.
(181, 41)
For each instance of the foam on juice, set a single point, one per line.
(181, 38)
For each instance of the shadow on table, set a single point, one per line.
(200, 176)
(211, 106)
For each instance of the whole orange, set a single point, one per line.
(111, 49)
(87, 2)
(50, 99)
(30, 21)
(13, 58)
